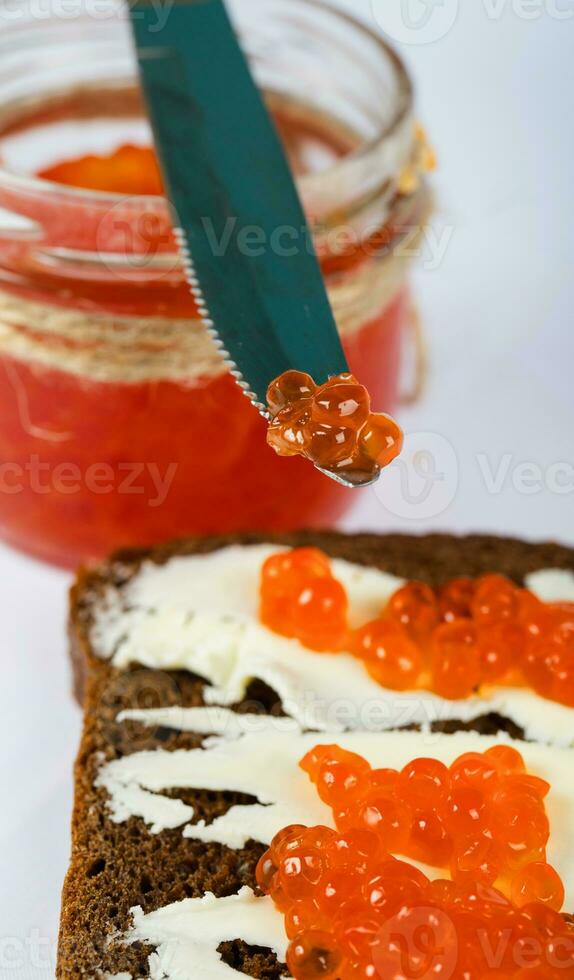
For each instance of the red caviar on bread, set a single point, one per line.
(353, 910)
(452, 640)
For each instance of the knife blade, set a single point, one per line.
(240, 225)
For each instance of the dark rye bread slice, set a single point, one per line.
(117, 866)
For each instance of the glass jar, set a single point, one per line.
(119, 424)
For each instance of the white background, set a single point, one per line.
(496, 96)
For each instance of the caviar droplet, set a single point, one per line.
(495, 599)
(347, 403)
(331, 425)
(455, 660)
(290, 389)
(455, 599)
(389, 654)
(381, 440)
(415, 608)
(538, 882)
(314, 955)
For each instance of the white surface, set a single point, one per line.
(496, 98)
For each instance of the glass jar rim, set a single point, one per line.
(338, 172)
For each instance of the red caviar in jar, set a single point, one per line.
(128, 170)
(331, 425)
(359, 912)
(124, 399)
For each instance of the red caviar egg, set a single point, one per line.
(539, 667)
(531, 613)
(265, 872)
(391, 657)
(336, 887)
(562, 619)
(290, 568)
(282, 578)
(381, 439)
(506, 759)
(384, 780)
(526, 783)
(455, 660)
(357, 931)
(477, 858)
(466, 812)
(390, 893)
(314, 955)
(309, 562)
(455, 599)
(288, 434)
(549, 669)
(347, 403)
(394, 868)
(521, 824)
(414, 606)
(538, 882)
(499, 646)
(338, 780)
(315, 757)
(474, 770)
(495, 598)
(290, 388)
(429, 839)
(319, 615)
(287, 839)
(388, 817)
(420, 942)
(331, 445)
(301, 916)
(355, 849)
(547, 920)
(300, 871)
(423, 782)
(442, 892)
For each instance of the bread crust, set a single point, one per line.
(117, 866)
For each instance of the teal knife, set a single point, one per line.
(239, 222)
